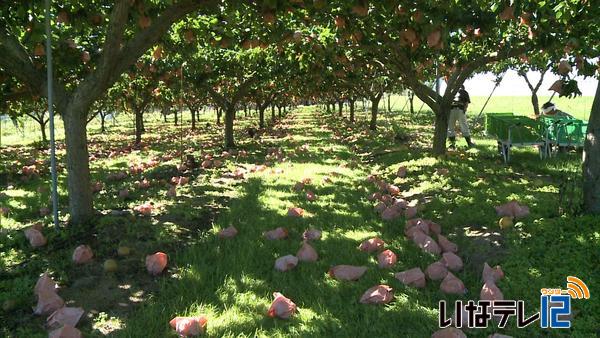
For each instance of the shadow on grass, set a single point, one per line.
(235, 278)
(232, 280)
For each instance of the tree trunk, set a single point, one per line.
(591, 160)
(193, 112)
(341, 107)
(389, 102)
(411, 102)
(374, 111)
(245, 111)
(535, 102)
(143, 123)
(78, 169)
(351, 104)
(176, 118)
(279, 111)
(229, 118)
(165, 116)
(219, 112)
(272, 112)
(139, 116)
(261, 116)
(43, 130)
(440, 131)
(102, 123)
(328, 108)
(534, 89)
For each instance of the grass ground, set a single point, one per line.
(232, 280)
(579, 107)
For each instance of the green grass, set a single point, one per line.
(232, 281)
(579, 107)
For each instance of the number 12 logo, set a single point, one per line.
(553, 306)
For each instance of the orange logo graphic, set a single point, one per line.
(576, 288)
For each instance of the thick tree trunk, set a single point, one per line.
(78, 169)
(411, 102)
(340, 107)
(591, 160)
(440, 131)
(535, 102)
(261, 116)
(389, 103)
(229, 118)
(139, 117)
(102, 123)
(43, 130)
(351, 104)
(272, 112)
(374, 111)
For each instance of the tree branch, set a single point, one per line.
(543, 73)
(116, 60)
(243, 89)
(468, 69)
(148, 37)
(15, 60)
(114, 37)
(524, 75)
(218, 98)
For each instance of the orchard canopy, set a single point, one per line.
(168, 93)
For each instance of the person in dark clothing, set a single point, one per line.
(458, 112)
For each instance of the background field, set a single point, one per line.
(579, 107)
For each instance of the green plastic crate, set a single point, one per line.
(565, 130)
(584, 127)
(491, 115)
(521, 129)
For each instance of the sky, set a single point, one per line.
(514, 85)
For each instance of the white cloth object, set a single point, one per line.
(548, 109)
(457, 114)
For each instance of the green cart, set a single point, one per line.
(515, 130)
(565, 131)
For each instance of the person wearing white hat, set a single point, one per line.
(550, 108)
